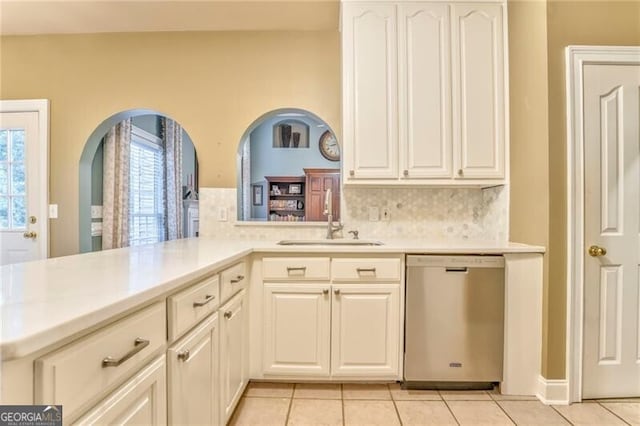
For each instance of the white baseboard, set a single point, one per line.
(554, 392)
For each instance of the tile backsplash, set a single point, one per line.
(456, 213)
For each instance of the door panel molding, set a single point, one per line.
(41, 107)
(576, 58)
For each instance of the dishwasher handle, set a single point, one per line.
(462, 269)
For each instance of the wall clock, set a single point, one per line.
(329, 147)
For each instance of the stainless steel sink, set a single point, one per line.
(330, 243)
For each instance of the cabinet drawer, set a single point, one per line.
(295, 268)
(191, 305)
(80, 371)
(232, 280)
(365, 270)
(141, 400)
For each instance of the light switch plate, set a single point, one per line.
(374, 214)
(53, 211)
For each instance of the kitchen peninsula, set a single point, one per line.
(67, 321)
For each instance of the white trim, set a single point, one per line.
(576, 58)
(554, 392)
(41, 106)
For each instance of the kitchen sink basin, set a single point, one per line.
(330, 243)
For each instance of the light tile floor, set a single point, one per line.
(386, 404)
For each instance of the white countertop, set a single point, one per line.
(47, 301)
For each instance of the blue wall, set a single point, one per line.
(269, 161)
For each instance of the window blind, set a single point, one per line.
(146, 183)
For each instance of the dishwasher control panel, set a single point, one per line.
(461, 261)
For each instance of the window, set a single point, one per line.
(146, 189)
(13, 184)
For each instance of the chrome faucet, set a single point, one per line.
(328, 210)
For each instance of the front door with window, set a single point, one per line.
(611, 364)
(20, 192)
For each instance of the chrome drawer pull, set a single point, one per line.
(360, 270)
(184, 355)
(455, 269)
(208, 298)
(139, 343)
(238, 279)
(291, 269)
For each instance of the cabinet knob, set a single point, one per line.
(405, 172)
(228, 314)
(352, 173)
(325, 291)
(184, 355)
(336, 291)
(460, 172)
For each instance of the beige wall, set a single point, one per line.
(529, 206)
(569, 23)
(214, 84)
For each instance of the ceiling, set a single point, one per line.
(23, 17)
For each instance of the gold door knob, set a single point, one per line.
(30, 234)
(596, 251)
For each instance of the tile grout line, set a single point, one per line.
(293, 391)
(344, 422)
(448, 408)
(503, 410)
(624, 420)
(395, 407)
(561, 415)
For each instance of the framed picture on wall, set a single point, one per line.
(257, 195)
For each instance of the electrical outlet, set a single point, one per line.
(222, 214)
(386, 214)
(96, 229)
(374, 214)
(96, 212)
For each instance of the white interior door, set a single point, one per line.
(611, 355)
(22, 225)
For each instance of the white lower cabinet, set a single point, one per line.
(296, 327)
(233, 353)
(338, 330)
(193, 391)
(365, 333)
(140, 401)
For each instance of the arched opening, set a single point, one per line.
(140, 168)
(287, 160)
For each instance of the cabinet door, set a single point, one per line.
(296, 329)
(365, 330)
(369, 61)
(140, 401)
(233, 354)
(193, 376)
(424, 99)
(478, 89)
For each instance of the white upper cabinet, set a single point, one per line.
(478, 87)
(424, 93)
(369, 52)
(425, 90)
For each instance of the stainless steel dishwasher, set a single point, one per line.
(454, 321)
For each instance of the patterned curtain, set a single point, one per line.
(115, 186)
(172, 136)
